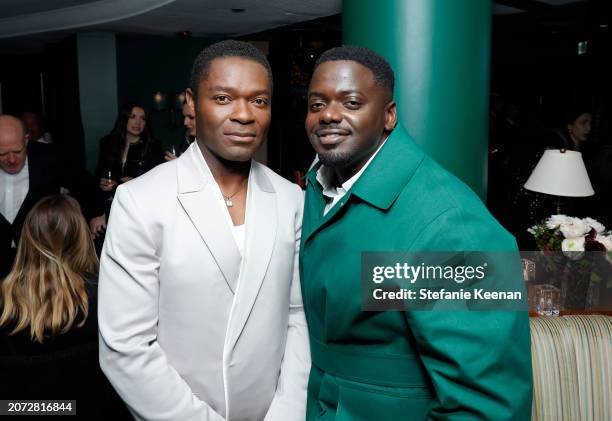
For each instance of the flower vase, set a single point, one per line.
(575, 292)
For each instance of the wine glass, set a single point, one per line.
(107, 182)
(171, 153)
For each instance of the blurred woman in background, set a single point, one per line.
(128, 150)
(575, 129)
(48, 317)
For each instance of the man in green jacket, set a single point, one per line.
(375, 190)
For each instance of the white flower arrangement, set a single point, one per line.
(567, 244)
(572, 235)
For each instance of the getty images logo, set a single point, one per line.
(412, 273)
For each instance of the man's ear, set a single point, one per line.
(390, 116)
(189, 98)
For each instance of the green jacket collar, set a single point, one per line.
(388, 173)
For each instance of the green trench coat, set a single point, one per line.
(406, 365)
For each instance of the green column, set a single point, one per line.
(97, 89)
(440, 52)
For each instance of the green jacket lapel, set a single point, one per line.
(389, 171)
(379, 185)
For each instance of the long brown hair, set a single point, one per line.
(45, 289)
(117, 137)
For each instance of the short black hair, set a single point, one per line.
(227, 48)
(383, 73)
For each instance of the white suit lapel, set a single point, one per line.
(260, 238)
(197, 196)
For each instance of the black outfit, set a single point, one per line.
(141, 157)
(48, 172)
(62, 367)
(185, 144)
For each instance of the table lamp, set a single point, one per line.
(560, 173)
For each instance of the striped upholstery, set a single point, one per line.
(572, 368)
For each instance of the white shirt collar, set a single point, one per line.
(326, 177)
(13, 191)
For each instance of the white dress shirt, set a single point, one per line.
(333, 194)
(238, 231)
(13, 191)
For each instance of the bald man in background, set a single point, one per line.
(28, 172)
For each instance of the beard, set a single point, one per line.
(335, 159)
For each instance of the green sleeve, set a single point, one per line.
(479, 362)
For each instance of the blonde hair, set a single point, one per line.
(46, 287)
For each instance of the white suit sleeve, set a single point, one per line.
(130, 355)
(289, 402)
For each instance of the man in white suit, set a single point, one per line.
(200, 309)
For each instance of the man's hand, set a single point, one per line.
(169, 156)
(97, 225)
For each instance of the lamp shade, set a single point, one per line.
(560, 173)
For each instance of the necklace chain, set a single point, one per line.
(228, 199)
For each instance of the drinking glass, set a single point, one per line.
(108, 182)
(547, 300)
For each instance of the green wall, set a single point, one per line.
(97, 67)
(146, 65)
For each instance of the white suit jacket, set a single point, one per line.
(178, 340)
